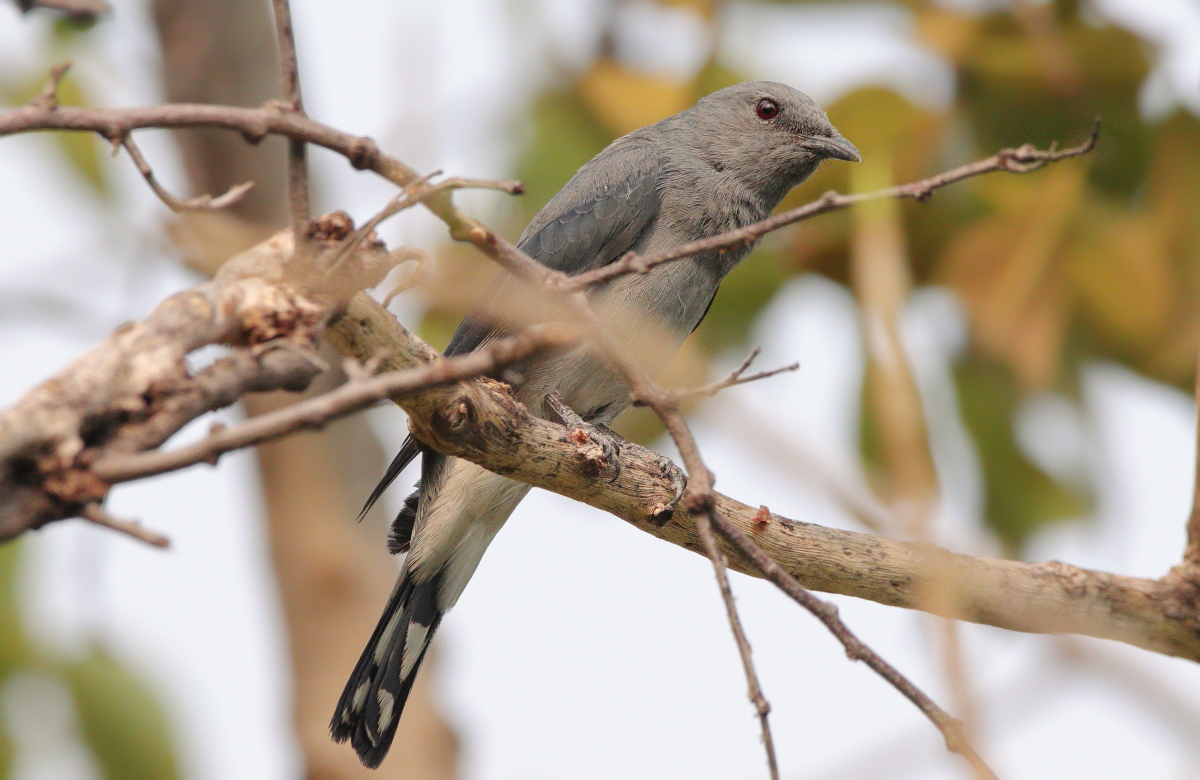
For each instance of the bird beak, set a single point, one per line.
(834, 147)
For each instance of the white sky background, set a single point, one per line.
(582, 648)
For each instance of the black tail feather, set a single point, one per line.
(409, 450)
(370, 705)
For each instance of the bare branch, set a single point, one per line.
(754, 689)
(78, 9)
(94, 513)
(511, 186)
(297, 156)
(47, 99)
(1191, 553)
(480, 422)
(1023, 159)
(134, 390)
(856, 650)
(359, 393)
(232, 196)
(736, 377)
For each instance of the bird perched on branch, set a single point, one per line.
(722, 164)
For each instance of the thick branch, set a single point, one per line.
(134, 390)
(480, 422)
(315, 413)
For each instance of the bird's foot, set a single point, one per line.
(597, 444)
(661, 514)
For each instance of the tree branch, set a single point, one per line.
(754, 689)
(479, 421)
(94, 513)
(856, 650)
(1023, 159)
(315, 413)
(176, 204)
(736, 377)
(134, 390)
(297, 155)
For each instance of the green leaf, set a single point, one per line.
(121, 721)
(565, 136)
(741, 298)
(83, 150)
(1020, 497)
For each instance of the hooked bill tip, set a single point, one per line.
(838, 148)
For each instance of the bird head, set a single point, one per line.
(768, 135)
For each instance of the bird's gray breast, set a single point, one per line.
(651, 314)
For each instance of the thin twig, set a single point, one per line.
(754, 689)
(363, 153)
(362, 391)
(93, 513)
(176, 204)
(1191, 553)
(1023, 159)
(511, 186)
(415, 277)
(47, 99)
(297, 156)
(736, 377)
(856, 650)
(399, 202)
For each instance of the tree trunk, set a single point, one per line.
(334, 576)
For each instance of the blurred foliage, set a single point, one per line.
(120, 722)
(82, 151)
(1090, 259)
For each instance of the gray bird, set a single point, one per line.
(722, 164)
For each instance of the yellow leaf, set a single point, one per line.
(1123, 276)
(623, 100)
(1008, 271)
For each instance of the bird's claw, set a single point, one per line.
(599, 447)
(661, 514)
(597, 444)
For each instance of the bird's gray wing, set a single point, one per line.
(595, 218)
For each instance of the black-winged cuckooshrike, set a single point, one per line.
(722, 164)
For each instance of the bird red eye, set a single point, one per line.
(767, 109)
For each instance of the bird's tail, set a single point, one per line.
(370, 706)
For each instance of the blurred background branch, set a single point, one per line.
(333, 576)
